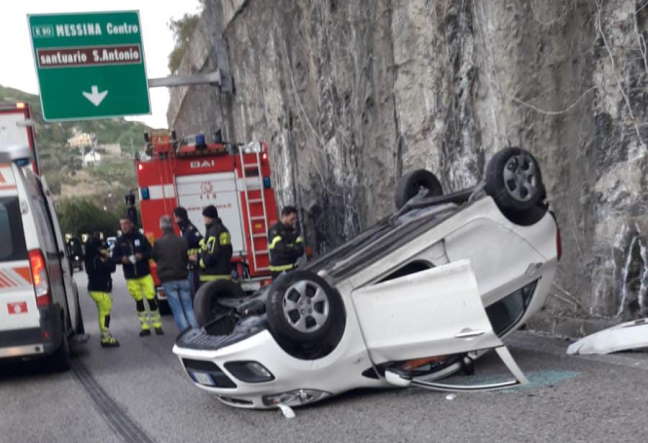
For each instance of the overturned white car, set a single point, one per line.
(414, 298)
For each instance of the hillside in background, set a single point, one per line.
(116, 140)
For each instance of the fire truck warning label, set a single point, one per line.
(100, 55)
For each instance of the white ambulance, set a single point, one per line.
(39, 302)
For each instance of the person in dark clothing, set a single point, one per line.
(216, 248)
(286, 244)
(193, 237)
(133, 251)
(170, 254)
(99, 267)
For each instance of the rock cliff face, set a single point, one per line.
(351, 94)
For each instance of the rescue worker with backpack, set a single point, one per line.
(192, 236)
(99, 267)
(216, 248)
(133, 251)
(286, 244)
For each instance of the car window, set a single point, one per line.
(12, 237)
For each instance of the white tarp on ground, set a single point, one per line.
(623, 337)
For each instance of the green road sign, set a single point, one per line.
(90, 65)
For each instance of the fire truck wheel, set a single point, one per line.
(206, 306)
(303, 308)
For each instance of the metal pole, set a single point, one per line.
(209, 78)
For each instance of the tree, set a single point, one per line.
(83, 215)
(182, 29)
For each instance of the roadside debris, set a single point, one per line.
(622, 337)
(286, 410)
(451, 396)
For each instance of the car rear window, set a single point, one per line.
(12, 238)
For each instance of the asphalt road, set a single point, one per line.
(138, 392)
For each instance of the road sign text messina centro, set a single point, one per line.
(90, 65)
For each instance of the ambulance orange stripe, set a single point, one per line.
(5, 282)
(10, 279)
(24, 272)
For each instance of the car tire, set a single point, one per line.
(206, 305)
(411, 183)
(514, 181)
(304, 309)
(59, 361)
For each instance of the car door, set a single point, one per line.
(66, 267)
(435, 312)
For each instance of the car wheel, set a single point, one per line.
(59, 361)
(413, 182)
(303, 308)
(514, 181)
(206, 306)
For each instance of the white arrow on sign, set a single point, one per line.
(95, 96)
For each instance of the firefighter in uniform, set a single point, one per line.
(216, 248)
(99, 266)
(133, 251)
(193, 237)
(286, 244)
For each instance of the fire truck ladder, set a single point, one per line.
(249, 201)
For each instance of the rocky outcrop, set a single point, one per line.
(350, 94)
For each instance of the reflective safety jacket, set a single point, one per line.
(216, 253)
(286, 246)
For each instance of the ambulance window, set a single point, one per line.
(12, 238)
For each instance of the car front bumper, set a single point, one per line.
(294, 382)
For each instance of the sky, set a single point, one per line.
(17, 69)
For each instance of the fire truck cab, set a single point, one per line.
(233, 177)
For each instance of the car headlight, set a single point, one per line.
(295, 398)
(249, 371)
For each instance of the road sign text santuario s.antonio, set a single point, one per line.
(90, 65)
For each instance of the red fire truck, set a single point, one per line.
(233, 177)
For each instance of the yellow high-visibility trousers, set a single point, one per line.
(140, 289)
(104, 306)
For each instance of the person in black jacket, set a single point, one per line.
(170, 254)
(133, 251)
(99, 266)
(216, 248)
(193, 237)
(286, 244)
